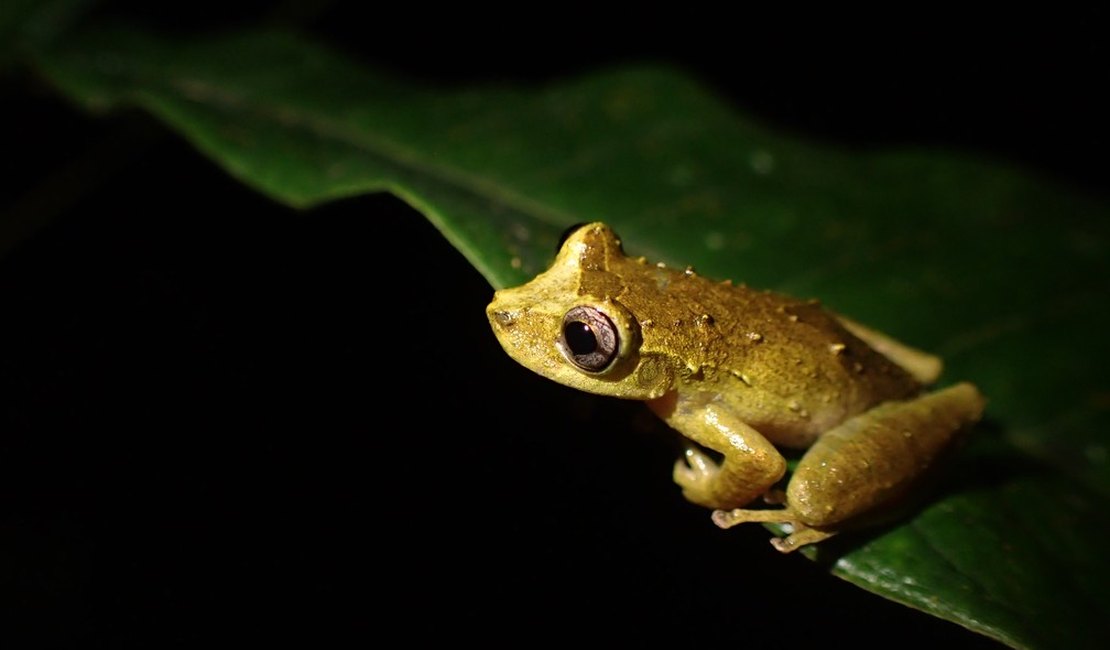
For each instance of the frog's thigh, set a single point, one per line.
(873, 458)
(924, 367)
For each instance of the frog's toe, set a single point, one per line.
(802, 536)
(699, 463)
(695, 473)
(684, 475)
(734, 517)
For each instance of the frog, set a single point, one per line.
(748, 377)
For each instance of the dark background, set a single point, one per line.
(222, 416)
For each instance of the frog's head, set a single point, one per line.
(568, 324)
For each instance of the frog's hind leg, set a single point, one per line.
(872, 459)
(864, 464)
(924, 367)
(800, 535)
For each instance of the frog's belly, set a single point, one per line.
(796, 423)
(798, 434)
(794, 430)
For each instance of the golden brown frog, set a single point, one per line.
(739, 371)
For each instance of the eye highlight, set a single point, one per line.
(589, 339)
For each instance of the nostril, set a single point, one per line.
(503, 318)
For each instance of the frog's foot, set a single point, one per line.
(800, 535)
(695, 473)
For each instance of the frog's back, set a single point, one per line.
(787, 367)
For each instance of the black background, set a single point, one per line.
(225, 417)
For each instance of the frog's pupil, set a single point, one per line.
(580, 338)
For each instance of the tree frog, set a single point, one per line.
(740, 372)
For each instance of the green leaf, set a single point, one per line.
(1002, 272)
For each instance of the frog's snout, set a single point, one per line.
(504, 310)
(501, 316)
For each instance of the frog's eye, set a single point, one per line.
(589, 339)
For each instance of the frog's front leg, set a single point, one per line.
(866, 463)
(751, 464)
